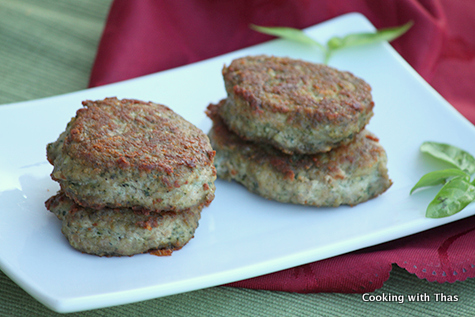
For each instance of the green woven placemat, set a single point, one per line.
(47, 48)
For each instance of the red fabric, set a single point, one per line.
(148, 36)
(443, 254)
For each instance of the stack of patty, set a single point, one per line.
(134, 177)
(294, 132)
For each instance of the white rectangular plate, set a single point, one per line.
(240, 235)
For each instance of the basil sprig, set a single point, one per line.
(335, 43)
(458, 190)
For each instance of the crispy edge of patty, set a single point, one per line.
(114, 154)
(347, 175)
(122, 231)
(273, 130)
(297, 106)
(112, 133)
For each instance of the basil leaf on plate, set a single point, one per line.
(454, 196)
(289, 34)
(458, 191)
(439, 177)
(387, 34)
(450, 154)
(335, 43)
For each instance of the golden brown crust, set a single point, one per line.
(129, 133)
(133, 154)
(293, 87)
(296, 106)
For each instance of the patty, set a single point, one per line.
(133, 154)
(294, 105)
(347, 175)
(119, 232)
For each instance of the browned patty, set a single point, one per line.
(133, 154)
(347, 175)
(122, 231)
(294, 105)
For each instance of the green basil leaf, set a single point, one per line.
(451, 155)
(439, 177)
(387, 34)
(335, 42)
(289, 34)
(454, 196)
